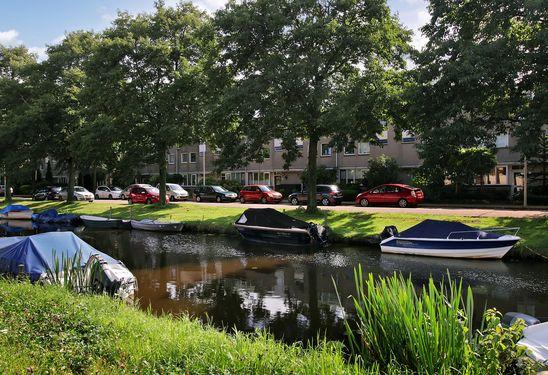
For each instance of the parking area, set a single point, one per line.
(442, 211)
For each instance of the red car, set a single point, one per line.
(391, 194)
(145, 195)
(259, 193)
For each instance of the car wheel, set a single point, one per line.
(96, 196)
(325, 202)
(110, 196)
(242, 200)
(198, 198)
(172, 198)
(294, 201)
(219, 200)
(364, 202)
(123, 197)
(263, 200)
(402, 203)
(148, 201)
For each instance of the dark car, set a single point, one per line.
(391, 194)
(325, 194)
(214, 193)
(49, 193)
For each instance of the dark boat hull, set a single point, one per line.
(102, 223)
(275, 237)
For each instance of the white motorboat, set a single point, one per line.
(450, 240)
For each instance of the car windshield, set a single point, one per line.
(152, 190)
(114, 188)
(56, 189)
(265, 188)
(175, 187)
(334, 188)
(79, 189)
(219, 189)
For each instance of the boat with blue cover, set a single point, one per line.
(51, 216)
(449, 239)
(16, 212)
(42, 258)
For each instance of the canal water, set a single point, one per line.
(290, 291)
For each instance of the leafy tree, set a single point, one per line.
(148, 81)
(15, 95)
(382, 170)
(482, 73)
(303, 69)
(539, 160)
(57, 111)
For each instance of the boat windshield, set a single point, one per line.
(219, 189)
(265, 188)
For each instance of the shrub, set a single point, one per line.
(430, 330)
(324, 175)
(382, 170)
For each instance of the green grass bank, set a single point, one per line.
(353, 227)
(50, 330)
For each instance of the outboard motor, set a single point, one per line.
(389, 231)
(511, 317)
(318, 233)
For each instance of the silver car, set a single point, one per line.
(108, 192)
(80, 194)
(175, 192)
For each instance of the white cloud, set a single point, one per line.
(58, 40)
(9, 37)
(40, 52)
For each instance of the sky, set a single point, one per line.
(39, 23)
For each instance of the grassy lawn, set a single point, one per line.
(50, 330)
(355, 226)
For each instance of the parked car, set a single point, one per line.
(325, 194)
(259, 193)
(108, 192)
(391, 194)
(49, 193)
(147, 195)
(175, 192)
(80, 194)
(125, 193)
(214, 193)
(3, 190)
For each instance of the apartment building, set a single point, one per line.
(350, 164)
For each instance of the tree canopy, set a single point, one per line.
(304, 69)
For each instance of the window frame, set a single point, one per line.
(330, 148)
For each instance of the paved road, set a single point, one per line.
(484, 212)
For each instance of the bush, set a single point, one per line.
(429, 331)
(25, 189)
(382, 170)
(324, 175)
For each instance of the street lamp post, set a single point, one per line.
(202, 150)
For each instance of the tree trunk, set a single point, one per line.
(7, 190)
(312, 174)
(162, 170)
(94, 179)
(70, 187)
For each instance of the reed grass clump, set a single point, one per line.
(429, 330)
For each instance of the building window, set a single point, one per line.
(184, 158)
(364, 148)
(185, 180)
(171, 159)
(326, 150)
(498, 176)
(262, 178)
(407, 137)
(300, 143)
(193, 157)
(383, 137)
(193, 179)
(342, 175)
(502, 140)
(277, 145)
(350, 150)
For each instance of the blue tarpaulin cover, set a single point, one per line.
(53, 217)
(39, 252)
(442, 229)
(14, 207)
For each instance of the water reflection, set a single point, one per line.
(290, 291)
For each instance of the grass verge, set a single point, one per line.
(50, 330)
(354, 227)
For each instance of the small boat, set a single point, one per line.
(534, 337)
(267, 225)
(45, 257)
(53, 217)
(157, 226)
(16, 212)
(449, 239)
(98, 222)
